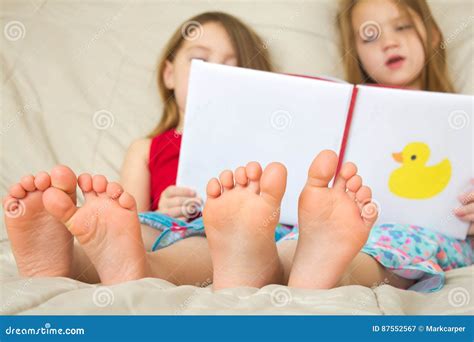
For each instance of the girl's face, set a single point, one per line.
(212, 44)
(387, 43)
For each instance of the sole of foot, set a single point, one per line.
(41, 244)
(240, 216)
(106, 226)
(334, 223)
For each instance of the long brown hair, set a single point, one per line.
(435, 75)
(248, 46)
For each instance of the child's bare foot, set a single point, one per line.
(41, 244)
(106, 226)
(334, 223)
(240, 223)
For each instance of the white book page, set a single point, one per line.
(236, 115)
(386, 121)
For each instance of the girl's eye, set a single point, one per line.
(404, 27)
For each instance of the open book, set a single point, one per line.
(414, 148)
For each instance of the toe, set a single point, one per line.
(254, 173)
(322, 169)
(364, 195)
(348, 171)
(17, 191)
(369, 213)
(42, 181)
(28, 183)
(114, 190)
(273, 183)
(227, 180)
(241, 178)
(369, 210)
(99, 183)
(213, 189)
(127, 201)
(59, 204)
(11, 205)
(354, 184)
(85, 182)
(63, 178)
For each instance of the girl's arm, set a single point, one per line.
(135, 175)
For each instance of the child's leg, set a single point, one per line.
(366, 271)
(187, 262)
(363, 269)
(149, 236)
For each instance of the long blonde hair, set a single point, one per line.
(435, 75)
(248, 46)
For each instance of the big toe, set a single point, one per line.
(322, 169)
(59, 204)
(273, 182)
(63, 178)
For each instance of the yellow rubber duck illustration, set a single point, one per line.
(415, 180)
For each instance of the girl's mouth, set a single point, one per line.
(395, 62)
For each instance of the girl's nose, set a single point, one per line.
(389, 41)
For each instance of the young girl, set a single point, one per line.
(42, 244)
(398, 43)
(150, 167)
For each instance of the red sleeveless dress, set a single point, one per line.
(163, 163)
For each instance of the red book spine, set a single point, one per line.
(347, 128)
(350, 115)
